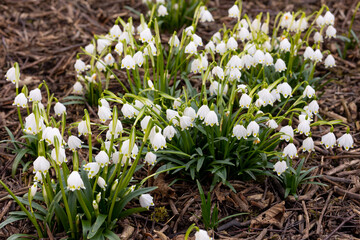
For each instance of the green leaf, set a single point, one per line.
(131, 211)
(199, 164)
(111, 235)
(21, 236)
(17, 160)
(11, 219)
(98, 223)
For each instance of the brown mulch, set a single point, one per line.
(45, 36)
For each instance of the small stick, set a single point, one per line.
(338, 227)
(319, 227)
(347, 193)
(342, 167)
(5, 209)
(307, 229)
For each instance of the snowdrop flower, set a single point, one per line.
(290, 151)
(285, 45)
(245, 101)
(329, 61)
(75, 182)
(32, 126)
(177, 103)
(104, 114)
(267, 46)
(185, 123)
(329, 140)
(146, 36)
(118, 127)
(234, 74)
(176, 41)
(173, 116)
(79, 66)
(74, 143)
(243, 34)
(169, 132)
(216, 87)
(286, 20)
(320, 21)
(218, 71)
(211, 119)
(38, 177)
(144, 123)
(202, 235)
(92, 78)
(308, 145)
(20, 100)
(189, 30)
(125, 149)
(49, 135)
(266, 97)
(206, 16)
(11, 75)
(268, 59)
(158, 141)
(128, 62)
(33, 190)
(195, 66)
(329, 18)
(235, 62)
(309, 53)
(309, 92)
(314, 107)
(139, 58)
(252, 128)
(234, 12)
(221, 48)
(265, 28)
(146, 201)
(202, 112)
(280, 65)
(248, 60)
(304, 127)
(191, 48)
(59, 109)
(35, 95)
(210, 47)
(41, 165)
(331, 32)
(190, 112)
(102, 44)
(101, 183)
(272, 124)
(255, 25)
(115, 31)
(318, 55)
(119, 48)
(259, 57)
(162, 11)
(82, 128)
(102, 159)
(231, 44)
(346, 141)
(239, 131)
(276, 95)
(128, 110)
(285, 89)
(60, 157)
(125, 37)
(197, 40)
(109, 59)
(318, 38)
(100, 65)
(90, 48)
(150, 158)
(280, 167)
(288, 133)
(77, 88)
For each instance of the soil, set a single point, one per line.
(44, 38)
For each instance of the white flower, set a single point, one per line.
(288, 133)
(150, 158)
(252, 128)
(314, 107)
(211, 119)
(255, 25)
(60, 157)
(128, 62)
(280, 167)
(11, 75)
(285, 45)
(309, 92)
(239, 131)
(59, 109)
(128, 110)
(202, 235)
(234, 12)
(146, 201)
(32, 126)
(169, 132)
(20, 100)
(177, 103)
(75, 182)
(79, 66)
(203, 110)
(190, 112)
(125, 149)
(221, 48)
(185, 122)
(173, 116)
(266, 97)
(90, 48)
(102, 44)
(265, 27)
(272, 124)
(118, 127)
(33, 190)
(115, 31)
(191, 48)
(206, 16)
(82, 128)
(109, 59)
(268, 59)
(119, 48)
(290, 151)
(146, 36)
(231, 44)
(210, 47)
(234, 74)
(259, 57)
(329, 61)
(329, 18)
(74, 143)
(329, 140)
(245, 101)
(286, 20)
(320, 21)
(100, 65)
(308, 145)
(218, 71)
(243, 34)
(197, 40)
(77, 88)
(309, 53)
(101, 182)
(346, 141)
(35, 95)
(216, 87)
(285, 89)
(102, 159)
(49, 135)
(38, 177)
(331, 32)
(318, 38)
(175, 39)
(162, 11)
(41, 165)
(280, 65)
(304, 127)
(276, 95)
(144, 123)
(235, 63)
(125, 36)
(139, 58)
(189, 30)
(104, 113)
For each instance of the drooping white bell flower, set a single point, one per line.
(92, 168)
(101, 183)
(118, 127)
(211, 119)
(203, 110)
(304, 127)
(102, 159)
(252, 128)
(280, 65)
(185, 123)
(285, 45)
(276, 95)
(234, 12)
(109, 59)
(104, 113)
(232, 44)
(41, 165)
(115, 31)
(329, 61)
(60, 157)
(173, 116)
(128, 62)
(144, 123)
(100, 65)
(139, 58)
(33, 190)
(286, 20)
(82, 128)
(314, 107)
(202, 235)
(329, 18)
(309, 92)
(318, 55)
(239, 131)
(35, 95)
(197, 40)
(269, 61)
(11, 75)
(75, 182)
(285, 89)
(210, 47)
(346, 141)
(158, 141)
(206, 16)
(77, 88)
(102, 43)
(216, 87)
(221, 48)
(243, 34)
(146, 201)
(146, 36)
(38, 177)
(177, 103)
(191, 48)
(31, 126)
(189, 30)
(79, 66)
(218, 71)
(125, 149)
(259, 57)
(59, 109)
(20, 100)
(308, 145)
(49, 135)
(266, 97)
(288, 133)
(176, 40)
(329, 140)
(245, 101)
(290, 151)
(128, 110)
(74, 143)
(234, 74)
(150, 158)
(119, 48)
(309, 53)
(330, 32)
(169, 132)
(235, 63)
(162, 11)
(318, 38)
(90, 48)
(272, 124)
(190, 112)
(320, 21)
(280, 167)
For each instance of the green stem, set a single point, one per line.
(83, 205)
